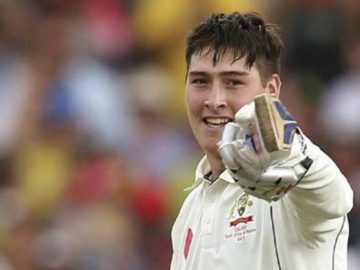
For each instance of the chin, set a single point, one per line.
(211, 149)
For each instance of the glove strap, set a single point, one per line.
(302, 168)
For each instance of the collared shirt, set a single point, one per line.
(221, 227)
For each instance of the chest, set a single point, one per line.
(222, 223)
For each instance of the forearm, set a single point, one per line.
(324, 192)
(317, 206)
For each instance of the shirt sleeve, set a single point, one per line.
(319, 202)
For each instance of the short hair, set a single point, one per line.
(245, 34)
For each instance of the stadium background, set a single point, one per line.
(95, 149)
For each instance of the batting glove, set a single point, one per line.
(264, 149)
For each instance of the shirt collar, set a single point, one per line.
(202, 169)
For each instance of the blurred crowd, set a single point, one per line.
(95, 149)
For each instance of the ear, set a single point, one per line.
(273, 85)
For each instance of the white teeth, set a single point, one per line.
(217, 121)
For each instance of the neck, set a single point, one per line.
(216, 166)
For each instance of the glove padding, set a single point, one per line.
(266, 175)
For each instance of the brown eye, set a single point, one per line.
(198, 81)
(234, 82)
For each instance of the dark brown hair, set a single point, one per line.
(244, 34)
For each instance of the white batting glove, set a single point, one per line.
(262, 169)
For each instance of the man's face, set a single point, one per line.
(213, 94)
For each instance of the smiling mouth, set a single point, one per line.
(216, 121)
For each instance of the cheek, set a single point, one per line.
(194, 103)
(238, 100)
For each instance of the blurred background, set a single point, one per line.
(95, 149)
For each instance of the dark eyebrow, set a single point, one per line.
(235, 73)
(197, 73)
(224, 73)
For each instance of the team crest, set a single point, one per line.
(240, 220)
(241, 212)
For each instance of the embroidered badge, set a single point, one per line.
(189, 236)
(241, 220)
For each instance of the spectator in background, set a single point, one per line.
(66, 101)
(15, 22)
(310, 38)
(158, 134)
(342, 97)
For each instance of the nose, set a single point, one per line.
(216, 98)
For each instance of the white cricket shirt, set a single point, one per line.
(221, 227)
